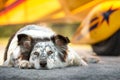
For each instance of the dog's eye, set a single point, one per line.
(49, 52)
(36, 53)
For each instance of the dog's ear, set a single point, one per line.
(60, 40)
(24, 40)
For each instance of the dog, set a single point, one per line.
(39, 47)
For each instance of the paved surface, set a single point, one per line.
(109, 69)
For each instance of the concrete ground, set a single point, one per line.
(108, 69)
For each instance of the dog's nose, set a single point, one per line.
(43, 63)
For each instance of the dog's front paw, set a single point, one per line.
(83, 63)
(92, 59)
(24, 64)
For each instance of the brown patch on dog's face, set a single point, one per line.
(63, 57)
(61, 42)
(25, 43)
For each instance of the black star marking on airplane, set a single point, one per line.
(106, 15)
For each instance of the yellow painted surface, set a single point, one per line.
(90, 33)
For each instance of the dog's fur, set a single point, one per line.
(40, 48)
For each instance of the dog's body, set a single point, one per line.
(39, 47)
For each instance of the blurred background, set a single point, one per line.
(63, 16)
(83, 21)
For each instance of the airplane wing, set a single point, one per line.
(30, 11)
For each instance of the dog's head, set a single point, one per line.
(48, 53)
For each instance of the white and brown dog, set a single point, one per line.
(40, 48)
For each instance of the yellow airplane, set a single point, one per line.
(99, 18)
(30, 11)
(101, 23)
